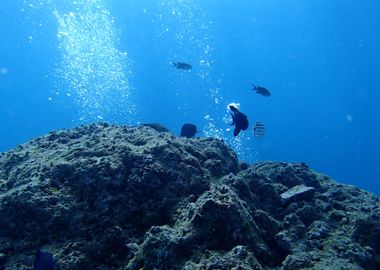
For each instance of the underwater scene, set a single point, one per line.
(194, 134)
(65, 63)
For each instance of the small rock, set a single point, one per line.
(240, 251)
(155, 229)
(283, 241)
(297, 261)
(296, 193)
(318, 229)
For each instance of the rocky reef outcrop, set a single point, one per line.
(113, 197)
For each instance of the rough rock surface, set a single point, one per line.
(130, 198)
(296, 193)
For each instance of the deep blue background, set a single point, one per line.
(320, 59)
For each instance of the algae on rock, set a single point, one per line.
(114, 197)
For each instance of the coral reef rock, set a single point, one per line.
(114, 197)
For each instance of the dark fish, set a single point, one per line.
(261, 90)
(43, 261)
(188, 130)
(258, 130)
(181, 65)
(157, 127)
(239, 119)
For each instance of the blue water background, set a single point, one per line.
(320, 59)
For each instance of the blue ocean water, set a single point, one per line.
(66, 63)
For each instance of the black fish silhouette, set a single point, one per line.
(261, 90)
(239, 119)
(181, 65)
(188, 130)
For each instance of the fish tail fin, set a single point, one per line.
(173, 63)
(254, 86)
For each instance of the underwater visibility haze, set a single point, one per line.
(67, 63)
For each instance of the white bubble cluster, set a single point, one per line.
(92, 66)
(92, 71)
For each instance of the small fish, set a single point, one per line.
(181, 65)
(258, 130)
(43, 261)
(239, 119)
(188, 130)
(261, 90)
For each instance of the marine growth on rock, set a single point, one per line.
(115, 197)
